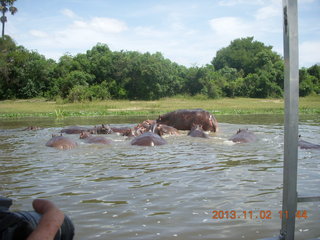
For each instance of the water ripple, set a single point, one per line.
(167, 192)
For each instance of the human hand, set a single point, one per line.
(50, 222)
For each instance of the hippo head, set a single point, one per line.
(213, 123)
(84, 135)
(103, 129)
(242, 130)
(157, 129)
(196, 127)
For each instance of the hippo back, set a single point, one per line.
(184, 119)
(197, 131)
(61, 142)
(307, 145)
(148, 139)
(74, 130)
(98, 140)
(243, 136)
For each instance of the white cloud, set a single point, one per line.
(77, 37)
(231, 3)
(230, 28)
(149, 32)
(106, 25)
(38, 34)
(268, 12)
(309, 53)
(69, 13)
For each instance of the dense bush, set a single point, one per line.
(245, 68)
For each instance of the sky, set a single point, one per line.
(188, 32)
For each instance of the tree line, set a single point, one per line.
(245, 68)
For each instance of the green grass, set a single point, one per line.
(42, 108)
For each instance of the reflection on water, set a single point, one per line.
(164, 192)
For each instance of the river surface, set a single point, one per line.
(174, 191)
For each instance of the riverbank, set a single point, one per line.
(222, 106)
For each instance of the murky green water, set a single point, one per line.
(166, 192)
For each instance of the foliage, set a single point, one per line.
(245, 68)
(257, 71)
(5, 6)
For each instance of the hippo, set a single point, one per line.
(121, 130)
(168, 130)
(103, 129)
(94, 139)
(32, 128)
(148, 139)
(61, 142)
(184, 119)
(197, 131)
(74, 130)
(243, 136)
(307, 145)
(146, 124)
(141, 128)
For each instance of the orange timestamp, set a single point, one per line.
(258, 214)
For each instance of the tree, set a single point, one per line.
(6, 5)
(262, 68)
(315, 72)
(245, 54)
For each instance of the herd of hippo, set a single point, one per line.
(149, 133)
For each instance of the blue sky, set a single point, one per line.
(188, 32)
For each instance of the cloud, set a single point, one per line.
(38, 34)
(268, 12)
(69, 13)
(149, 32)
(106, 25)
(309, 53)
(232, 3)
(231, 27)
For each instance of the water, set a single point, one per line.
(165, 192)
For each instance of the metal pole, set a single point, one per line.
(291, 85)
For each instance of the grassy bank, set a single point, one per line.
(42, 108)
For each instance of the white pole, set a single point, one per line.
(291, 85)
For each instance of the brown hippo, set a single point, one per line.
(61, 142)
(121, 130)
(148, 139)
(146, 124)
(141, 128)
(94, 139)
(243, 136)
(103, 129)
(166, 130)
(197, 131)
(32, 128)
(307, 145)
(74, 130)
(184, 119)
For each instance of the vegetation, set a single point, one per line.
(4, 4)
(245, 68)
(43, 108)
